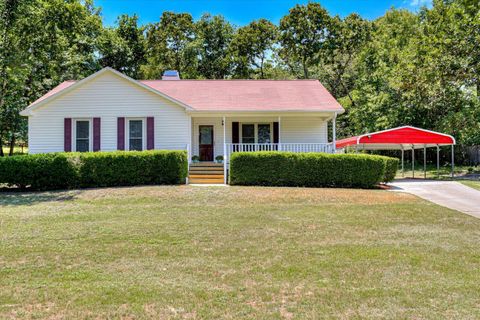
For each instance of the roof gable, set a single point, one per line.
(69, 86)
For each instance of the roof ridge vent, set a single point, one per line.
(171, 75)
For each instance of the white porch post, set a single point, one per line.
(279, 133)
(190, 144)
(334, 133)
(224, 124)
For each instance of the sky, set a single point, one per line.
(241, 12)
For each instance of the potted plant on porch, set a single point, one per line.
(219, 159)
(195, 159)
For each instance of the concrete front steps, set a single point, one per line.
(206, 173)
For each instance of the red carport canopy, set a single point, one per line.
(401, 138)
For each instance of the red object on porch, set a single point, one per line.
(397, 138)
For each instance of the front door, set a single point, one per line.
(206, 143)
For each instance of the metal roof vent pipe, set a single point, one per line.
(171, 75)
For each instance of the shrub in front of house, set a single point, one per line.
(39, 171)
(128, 168)
(52, 171)
(306, 169)
(391, 168)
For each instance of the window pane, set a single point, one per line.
(206, 135)
(248, 133)
(135, 128)
(264, 133)
(136, 144)
(83, 129)
(82, 145)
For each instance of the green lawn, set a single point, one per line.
(432, 173)
(16, 150)
(470, 183)
(235, 252)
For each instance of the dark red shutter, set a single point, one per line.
(120, 133)
(96, 134)
(150, 133)
(275, 132)
(235, 133)
(67, 134)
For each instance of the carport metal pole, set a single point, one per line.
(425, 162)
(403, 171)
(413, 162)
(453, 161)
(438, 161)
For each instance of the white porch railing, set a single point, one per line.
(290, 147)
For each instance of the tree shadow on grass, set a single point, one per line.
(8, 197)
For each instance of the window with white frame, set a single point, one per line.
(83, 135)
(256, 133)
(136, 134)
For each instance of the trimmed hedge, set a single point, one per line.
(39, 171)
(391, 168)
(93, 169)
(306, 169)
(128, 168)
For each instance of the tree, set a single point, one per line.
(213, 35)
(169, 45)
(303, 35)
(10, 56)
(251, 47)
(34, 59)
(123, 47)
(346, 39)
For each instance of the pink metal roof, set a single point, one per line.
(58, 88)
(249, 95)
(241, 95)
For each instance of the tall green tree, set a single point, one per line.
(35, 59)
(251, 48)
(169, 45)
(303, 36)
(123, 47)
(213, 35)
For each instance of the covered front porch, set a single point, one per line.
(217, 136)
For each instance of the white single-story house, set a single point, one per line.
(111, 111)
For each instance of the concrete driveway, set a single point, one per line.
(449, 194)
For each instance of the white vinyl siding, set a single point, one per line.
(108, 96)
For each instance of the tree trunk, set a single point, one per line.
(12, 145)
(261, 69)
(305, 71)
(1, 148)
(305, 67)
